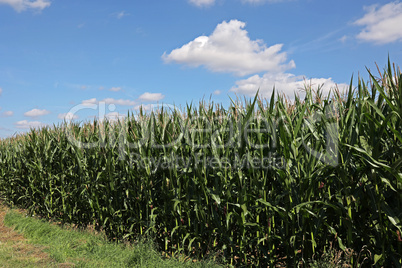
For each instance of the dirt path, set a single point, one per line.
(15, 251)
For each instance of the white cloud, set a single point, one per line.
(381, 23)
(343, 38)
(202, 3)
(119, 102)
(217, 92)
(229, 49)
(8, 113)
(1, 91)
(151, 96)
(115, 89)
(24, 124)
(284, 83)
(121, 14)
(21, 5)
(36, 113)
(109, 101)
(89, 102)
(263, 1)
(68, 116)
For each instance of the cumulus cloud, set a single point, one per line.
(217, 92)
(7, 114)
(284, 83)
(22, 5)
(151, 96)
(24, 124)
(89, 102)
(230, 49)
(115, 89)
(68, 116)
(202, 3)
(36, 113)
(109, 101)
(381, 23)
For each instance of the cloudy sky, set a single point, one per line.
(78, 59)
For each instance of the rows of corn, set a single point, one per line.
(262, 182)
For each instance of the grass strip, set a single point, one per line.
(76, 248)
(16, 251)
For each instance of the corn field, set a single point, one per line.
(263, 182)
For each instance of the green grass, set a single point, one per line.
(12, 257)
(74, 248)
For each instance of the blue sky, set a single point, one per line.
(65, 59)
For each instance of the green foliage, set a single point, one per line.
(258, 183)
